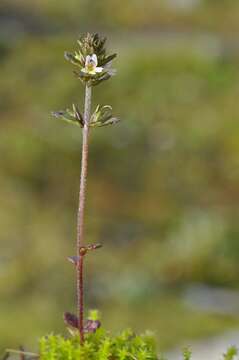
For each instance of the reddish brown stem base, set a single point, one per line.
(80, 275)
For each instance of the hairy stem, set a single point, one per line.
(81, 211)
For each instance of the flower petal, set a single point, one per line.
(87, 60)
(98, 69)
(94, 58)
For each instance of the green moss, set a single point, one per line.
(101, 346)
(231, 353)
(98, 346)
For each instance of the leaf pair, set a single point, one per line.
(96, 79)
(90, 326)
(102, 116)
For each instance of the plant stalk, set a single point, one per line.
(81, 211)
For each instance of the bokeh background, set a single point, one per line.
(163, 188)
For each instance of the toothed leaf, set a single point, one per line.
(102, 116)
(107, 59)
(72, 116)
(72, 58)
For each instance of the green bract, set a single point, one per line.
(102, 116)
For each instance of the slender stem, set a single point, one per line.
(81, 299)
(81, 211)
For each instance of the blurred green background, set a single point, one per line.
(163, 188)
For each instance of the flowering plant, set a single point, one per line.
(89, 341)
(94, 68)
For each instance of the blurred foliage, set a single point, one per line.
(209, 15)
(163, 187)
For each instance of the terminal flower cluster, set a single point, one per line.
(92, 61)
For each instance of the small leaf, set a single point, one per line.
(103, 77)
(102, 116)
(73, 116)
(94, 315)
(108, 59)
(96, 115)
(91, 326)
(74, 260)
(70, 319)
(78, 114)
(110, 121)
(64, 115)
(94, 246)
(72, 58)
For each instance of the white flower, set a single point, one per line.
(91, 67)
